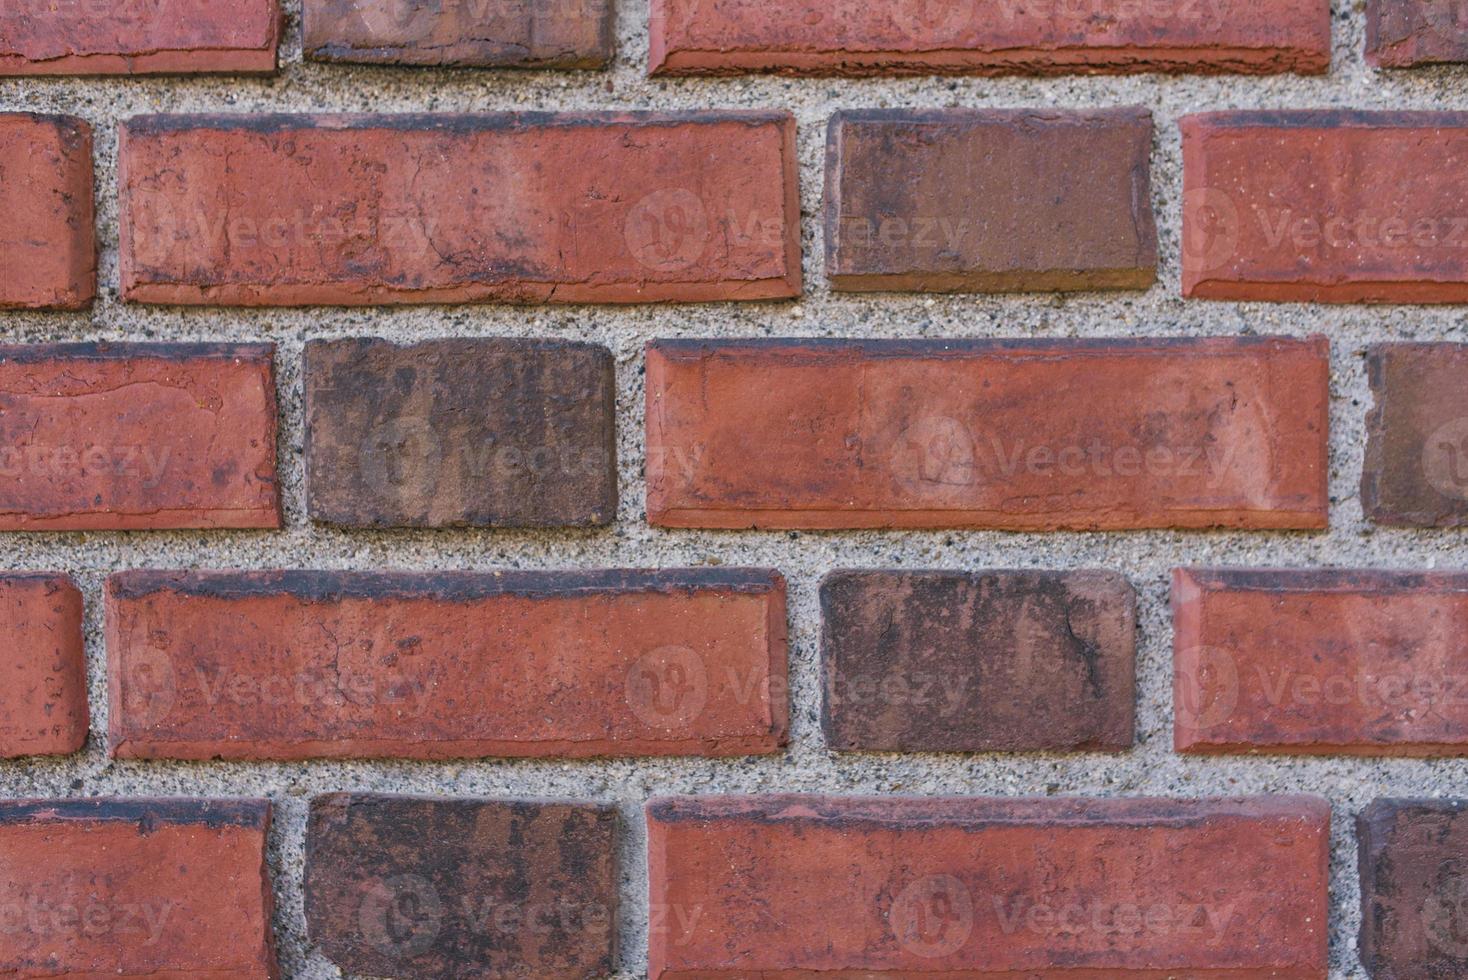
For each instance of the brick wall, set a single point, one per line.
(890, 488)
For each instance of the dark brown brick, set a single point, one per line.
(1416, 471)
(990, 200)
(417, 887)
(465, 33)
(978, 662)
(484, 433)
(1414, 889)
(1411, 33)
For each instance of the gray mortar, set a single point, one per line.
(1151, 768)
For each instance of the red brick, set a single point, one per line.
(1334, 206)
(1411, 33)
(353, 210)
(155, 889)
(138, 37)
(789, 886)
(978, 661)
(986, 200)
(1015, 435)
(1416, 469)
(1413, 858)
(43, 670)
(468, 33)
(1321, 662)
(298, 665)
(48, 248)
(1050, 37)
(423, 887)
(137, 436)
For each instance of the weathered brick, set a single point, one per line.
(978, 661)
(416, 887)
(48, 249)
(1031, 435)
(1333, 206)
(135, 889)
(466, 33)
(793, 886)
(297, 665)
(479, 432)
(1410, 33)
(990, 200)
(1414, 883)
(531, 207)
(1320, 661)
(137, 436)
(138, 37)
(1416, 471)
(1050, 37)
(43, 670)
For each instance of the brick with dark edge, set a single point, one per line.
(48, 247)
(43, 666)
(1416, 469)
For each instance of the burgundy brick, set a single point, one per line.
(298, 665)
(1416, 471)
(135, 889)
(43, 670)
(1317, 661)
(795, 886)
(1049, 37)
(483, 432)
(990, 200)
(978, 661)
(138, 37)
(48, 249)
(137, 436)
(1018, 435)
(1410, 33)
(1335, 206)
(417, 887)
(1414, 881)
(533, 207)
(469, 33)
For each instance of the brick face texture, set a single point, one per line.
(508, 433)
(48, 252)
(979, 662)
(405, 887)
(108, 37)
(1411, 33)
(43, 670)
(136, 888)
(1004, 434)
(1262, 222)
(1414, 875)
(857, 37)
(990, 200)
(299, 665)
(1321, 661)
(1416, 471)
(137, 436)
(534, 208)
(968, 888)
(487, 33)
